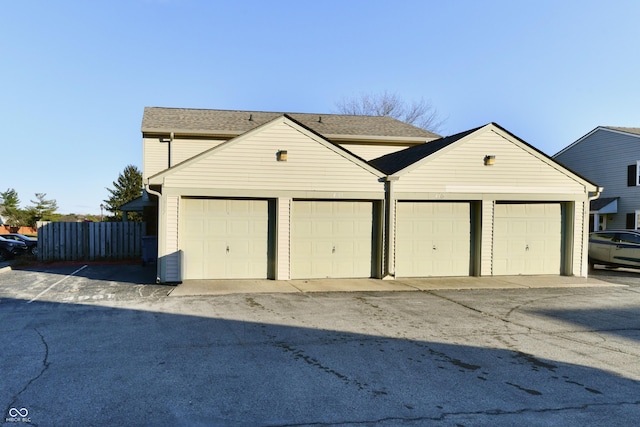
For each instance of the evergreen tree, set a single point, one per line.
(11, 212)
(128, 187)
(42, 210)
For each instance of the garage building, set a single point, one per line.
(300, 196)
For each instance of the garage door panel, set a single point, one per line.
(433, 239)
(527, 238)
(339, 242)
(225, 239)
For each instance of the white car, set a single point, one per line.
(615, 248)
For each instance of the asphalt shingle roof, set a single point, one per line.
(394, 162)
(228, 122)
(623, 129)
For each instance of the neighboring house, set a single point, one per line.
(610, 157)
(297, 196)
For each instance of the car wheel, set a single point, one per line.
(34, 251)
(3, 255)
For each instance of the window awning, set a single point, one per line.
(605, 205)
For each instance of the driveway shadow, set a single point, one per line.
(71, 364)
(621, 321)
(125, 272)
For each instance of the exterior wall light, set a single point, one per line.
(281, 156)
(489, 160)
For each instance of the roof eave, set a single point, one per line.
(378, 138)
(226, 134)
(191, 132)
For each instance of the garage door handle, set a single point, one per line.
(434, 248)
(333, 251)
(227, 248)
(526, 248)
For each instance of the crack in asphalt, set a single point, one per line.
(541, 331)
(445, 415)
(519, 306)
(45, 366)
(484, 313)
(301, 355)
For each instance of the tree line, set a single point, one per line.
(42, 209)
(128, 186)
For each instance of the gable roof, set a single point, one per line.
(403, 160)
(394, 162)
(633, 132)
(230, 123)
(278, 119)
(623, 129)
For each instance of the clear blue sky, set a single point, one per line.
(76, 75)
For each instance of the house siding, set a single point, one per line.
(251, 164)
(603, 158)
(461, 169)
(155, 157)
(371, 151)
(183, 149)
(486, 244)
(173, 258)
(580, 239)
(283, 267)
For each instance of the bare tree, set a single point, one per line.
(417, 113)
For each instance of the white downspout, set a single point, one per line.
(585, 234)
(390, 230)
(150, 191)
(596, 195)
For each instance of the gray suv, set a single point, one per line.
(615, 248)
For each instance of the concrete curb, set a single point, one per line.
(226, 287)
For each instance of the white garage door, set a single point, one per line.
(331, 239)
(433, 239)
(527, 238)
(225, 239)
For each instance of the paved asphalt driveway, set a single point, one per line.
(103, 345)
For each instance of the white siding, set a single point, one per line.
(283, 270)
(461, 169)
(251, 163)
(173, 259)
(580, 239)
(371, 151)
(486, 254)
(183, 149)
(155, 157)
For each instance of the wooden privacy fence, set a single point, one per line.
(89, 241)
